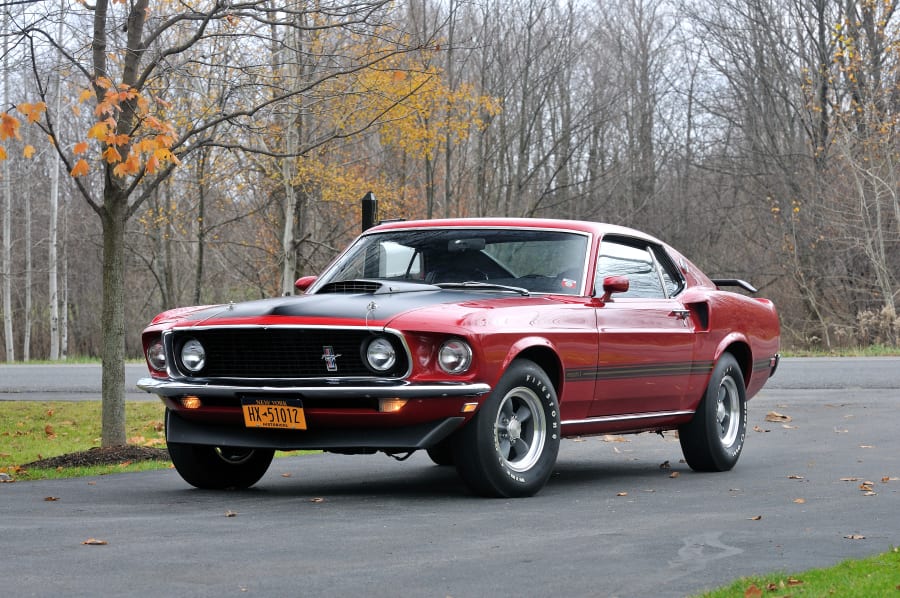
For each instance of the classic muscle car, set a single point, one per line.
(482, 341)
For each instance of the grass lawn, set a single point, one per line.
(865, 578)
(31, 431)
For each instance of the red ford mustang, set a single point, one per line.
(482, 341)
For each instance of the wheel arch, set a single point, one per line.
(546, 358)
(740, 350)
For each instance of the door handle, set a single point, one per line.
(681, 314)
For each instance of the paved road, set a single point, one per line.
(610, 523)
(63, 382)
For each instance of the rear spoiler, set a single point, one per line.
(735, 282)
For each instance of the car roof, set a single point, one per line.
(599, 229)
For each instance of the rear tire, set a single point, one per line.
(442, 453)
(218, 467)
(714, 438)
(509, 448)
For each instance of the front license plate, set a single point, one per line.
(284, 414)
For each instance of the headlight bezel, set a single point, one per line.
(383, 359)
(156, 355)
(195, 361)
(455, 356)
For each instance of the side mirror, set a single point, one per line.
(304, 283)
(613, 284)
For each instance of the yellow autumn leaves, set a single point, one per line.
(146, 149)
(9, 126)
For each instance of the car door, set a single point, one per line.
(646, 335)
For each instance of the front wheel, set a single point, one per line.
(713, 439)
(509, 448)
(218, 467)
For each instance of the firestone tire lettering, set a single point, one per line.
(509, 448)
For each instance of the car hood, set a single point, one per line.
(375, 309)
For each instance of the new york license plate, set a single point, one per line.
(285, 414)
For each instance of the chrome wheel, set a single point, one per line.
(714, 438)
(520, 429)
(509, 447)
(728, 411)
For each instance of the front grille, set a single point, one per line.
(283, 353)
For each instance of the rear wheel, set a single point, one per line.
(442, 453)
(714, 438)
(509, 448)
(218, 467)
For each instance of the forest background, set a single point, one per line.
(157, 153)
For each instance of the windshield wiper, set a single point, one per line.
(489, 286)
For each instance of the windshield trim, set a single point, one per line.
(586, 266)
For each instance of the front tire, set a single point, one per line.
(714, 438)
(219, 467)
(509, 448)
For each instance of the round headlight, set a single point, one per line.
(455, 356)
(156, 355)
(380, 354)
(193, 355)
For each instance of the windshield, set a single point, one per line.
(540, 261)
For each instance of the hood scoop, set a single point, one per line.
(374, 287)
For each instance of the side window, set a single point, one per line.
(649, 271)
(668, 271)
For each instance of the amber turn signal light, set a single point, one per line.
(191, 402)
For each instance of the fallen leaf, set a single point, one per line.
(125, 464)
(49, 412)
(51, 498)
(286, 475)
(800, 501)
(849, 479)
(855, 537)
(866, 446)
(622, 494)
(795, 477)
(774, 416)
(753, 592)
(756, 518)
(674, 474)
(887, 479)
(665, 465)
(94, 542)
(231, 513)
(787, 427)
(48, 430)
(792, 582)
(758, 429)
(611, 438)
(317, 499)
(866, 486)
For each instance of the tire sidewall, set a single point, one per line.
(478, 453)
(725, 456)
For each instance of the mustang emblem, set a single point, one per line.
(330, 358)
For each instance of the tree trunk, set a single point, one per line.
(114, 215)
(6, 262)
